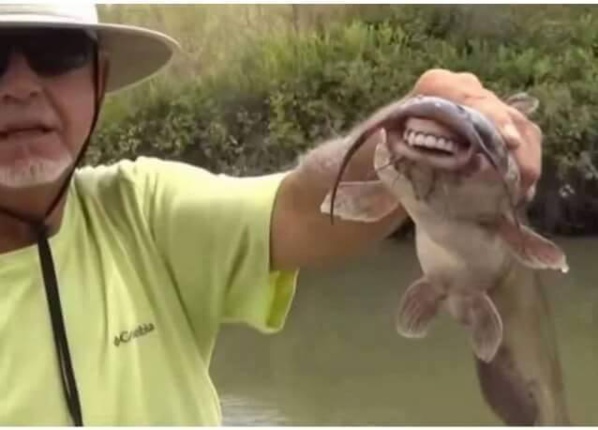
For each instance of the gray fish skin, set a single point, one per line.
(523, 385)
(468, 242)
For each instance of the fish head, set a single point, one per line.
(450, 158)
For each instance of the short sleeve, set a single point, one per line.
(213, 231)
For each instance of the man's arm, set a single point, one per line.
(302, 236)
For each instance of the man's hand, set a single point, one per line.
(523, 137)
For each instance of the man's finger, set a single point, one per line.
(525, 129)
(499, 114)
(529, 155)
(512, 136)
(522, 136)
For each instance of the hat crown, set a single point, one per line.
(79, 12)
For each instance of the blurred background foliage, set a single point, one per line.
(257, 85)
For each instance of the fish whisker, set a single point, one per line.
(386, 166)
(432, 185)
(511, 198)
(394, 181)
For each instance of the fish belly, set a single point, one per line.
(460, 256)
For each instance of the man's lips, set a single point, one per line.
(24, 133)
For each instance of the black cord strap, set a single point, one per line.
(69, 384)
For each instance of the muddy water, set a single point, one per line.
(339, 362)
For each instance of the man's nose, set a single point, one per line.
(19, 83)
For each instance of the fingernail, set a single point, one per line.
(511, 133)
(382, 135)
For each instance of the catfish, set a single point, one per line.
(460, 186)
(450, 169)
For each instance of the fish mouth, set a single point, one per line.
(445, 135)
(454, 138)
(427, 141)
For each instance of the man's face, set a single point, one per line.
(46, 104)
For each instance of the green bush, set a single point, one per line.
(281, 91)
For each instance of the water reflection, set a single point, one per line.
(242, 410)
(339, 361)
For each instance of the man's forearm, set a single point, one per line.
(302, 234)
(321, 164)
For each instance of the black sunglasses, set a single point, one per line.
(49, 52)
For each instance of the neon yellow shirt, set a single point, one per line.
(151, 258)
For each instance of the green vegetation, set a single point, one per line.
(257, 85)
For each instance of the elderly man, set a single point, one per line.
(115, 279)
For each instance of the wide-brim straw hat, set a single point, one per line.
(135, 53)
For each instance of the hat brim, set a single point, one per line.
(135, 53)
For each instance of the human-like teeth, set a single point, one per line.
(414, 138)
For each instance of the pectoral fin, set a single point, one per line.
(361, 201)
(532, 249)
(524, 103)
(418, 307)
